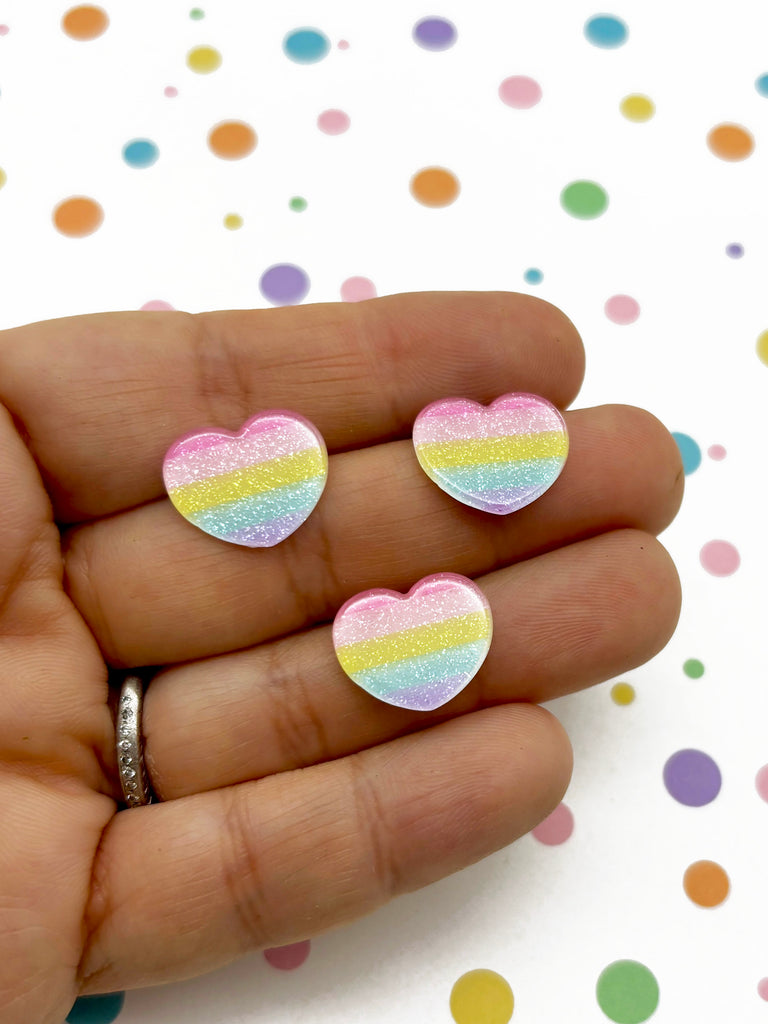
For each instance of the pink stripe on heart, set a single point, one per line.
(264, 424)
(461, 406)
(479, 424)
(385, 611)
(230, 454)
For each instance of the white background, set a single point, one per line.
(547, 918)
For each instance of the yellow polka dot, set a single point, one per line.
(233, 221)
(482, 997)
(622, 693)
(3, 177)
(637, 107)
(762, 348)
(203, 59)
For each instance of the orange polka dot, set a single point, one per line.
(435, 186)
(232, 140)
(85, 22)
(78, 216)
(706, 883)
(730, 142)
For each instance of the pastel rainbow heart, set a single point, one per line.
(415, 650)
(497, 458)
(253, 487)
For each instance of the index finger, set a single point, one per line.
(101, 397)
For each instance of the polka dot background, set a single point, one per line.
(236, 155)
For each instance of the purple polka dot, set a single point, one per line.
(692, 778)
(288, 958)
(284, 284)
(434, 33)
(735, 251)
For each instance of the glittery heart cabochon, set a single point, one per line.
(254, 487)
(497, 458)
(415, 650)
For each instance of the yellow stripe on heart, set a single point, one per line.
(546, 444)
(248, 481)
(410, 643)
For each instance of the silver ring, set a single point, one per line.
(129, 743)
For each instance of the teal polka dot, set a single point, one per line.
(690, 452)
(762, 85)
(96, 1009)
(306, 45)
(140, 153)
(606, 31)
(533, 276)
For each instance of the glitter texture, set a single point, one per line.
(497, 458)
(252, 488)
(416, 650)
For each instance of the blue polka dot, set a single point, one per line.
(735, 250)
(140, 153)
(533, 276)
(690, 452)
(606, 31)
(96, 1009)
(762, 85)
(306, 45)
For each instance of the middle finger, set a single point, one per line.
(155, 590)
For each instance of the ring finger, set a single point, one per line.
(563, 621)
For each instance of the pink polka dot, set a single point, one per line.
(556, 828)
(288, 958)
(622, 309)
(520, 92)
(762, 988)
(761, 782)
(4, 30)
(355, 289)
(716, 452)
(170, 91)
(333, 122)
(343, 44)
(155, 304)
(720, 558)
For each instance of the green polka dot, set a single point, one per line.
(584, 199)
(693, 668)
(627, 992)
(196, 14)
(298, 204)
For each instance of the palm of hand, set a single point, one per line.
(292, 802)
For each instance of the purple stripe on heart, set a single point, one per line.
(429, 697)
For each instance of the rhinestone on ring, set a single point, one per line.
(129, 744)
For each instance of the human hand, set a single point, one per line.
(291, 800)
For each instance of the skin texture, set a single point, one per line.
(260, 748)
